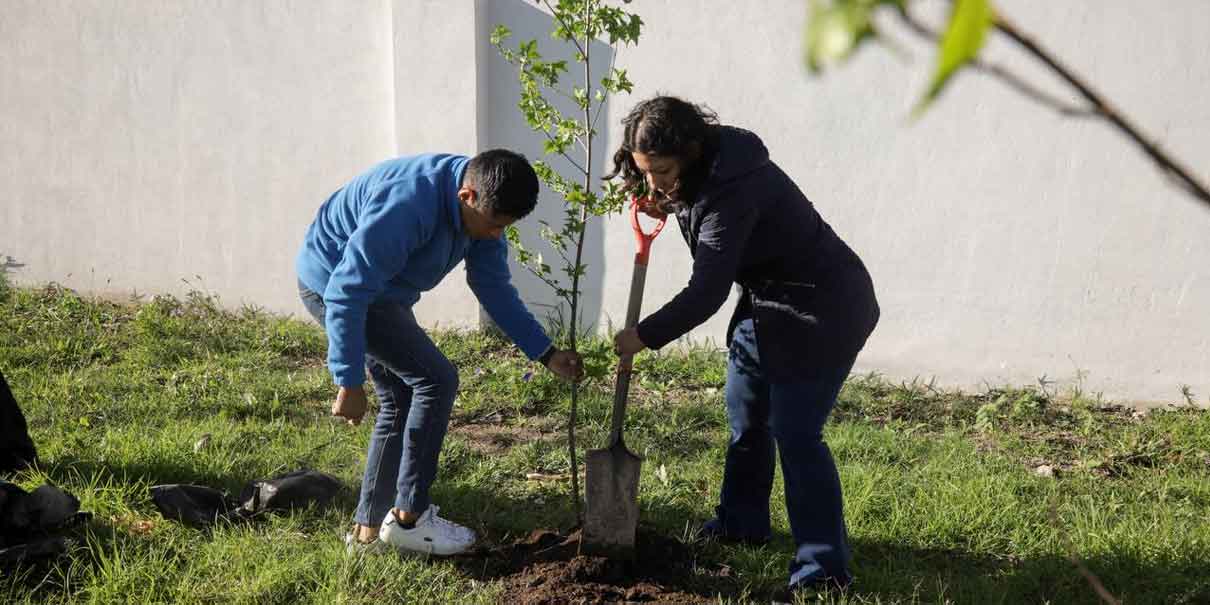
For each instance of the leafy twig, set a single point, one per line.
(1109, 112)
(1004, 74)
(579, 21)
(570, 31)
(601, 106)
(1098, 105)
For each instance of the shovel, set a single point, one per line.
(611, 480)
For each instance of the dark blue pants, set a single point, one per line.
(416, 385)
(786, 417)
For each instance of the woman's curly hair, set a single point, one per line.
(666, 126)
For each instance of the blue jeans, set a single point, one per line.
(416, 385)
(790, 415)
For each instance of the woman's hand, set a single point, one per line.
(627, 342)
(650, 208)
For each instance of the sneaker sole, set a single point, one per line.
(355, 548)
(411, 552)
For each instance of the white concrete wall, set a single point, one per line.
(1006, 243)
(143, 144)
(502, 125)
(146, 143)
(436, 107)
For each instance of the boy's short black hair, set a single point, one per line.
(505, 182)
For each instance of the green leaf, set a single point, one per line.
(621, 82)
(834, 30)
(499, 35)
(963, 38)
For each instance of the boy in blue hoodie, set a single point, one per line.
(375, 245)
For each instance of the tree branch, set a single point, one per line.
(613, 57)
(565, 156)
(563, 255)
(1005, 75)
(1183, 176)
(562, 93)
(542, 276)
(1099, 107)
(565, 26)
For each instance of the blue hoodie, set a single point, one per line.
(391, 234)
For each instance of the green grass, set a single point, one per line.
(942, 499)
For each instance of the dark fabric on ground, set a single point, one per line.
(29, 520)
(16, 448)
(192, 505)
(298, 489)
(201, 506)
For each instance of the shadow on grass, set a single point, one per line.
(892, 570)
(126, 545)
(885, 571)
(66, 470)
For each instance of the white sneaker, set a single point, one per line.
(431, 534)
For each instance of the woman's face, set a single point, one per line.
(662, 173)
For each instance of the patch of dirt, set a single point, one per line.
(545, 568)
(492, 434)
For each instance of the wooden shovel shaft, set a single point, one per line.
(622, 387)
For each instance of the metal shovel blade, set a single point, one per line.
(611, 515)
(611, 479)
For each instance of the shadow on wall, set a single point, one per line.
(8, 264)
(500, 124)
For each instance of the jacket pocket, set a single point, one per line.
(789, 333)
(785, 310)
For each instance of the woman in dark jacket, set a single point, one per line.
(806, 309)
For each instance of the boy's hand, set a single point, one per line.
(566, 365)
(350, 404)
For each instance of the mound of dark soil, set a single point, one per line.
(545, 568)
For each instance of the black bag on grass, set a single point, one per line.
(16, 448)
(298, 489)
(28, 521)
(192, 505)
(200, 506)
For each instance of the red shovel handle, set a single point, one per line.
(637, 279)
(644, 239)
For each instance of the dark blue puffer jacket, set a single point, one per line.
(808, 293)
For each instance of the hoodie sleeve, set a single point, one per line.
(723, 235)
(386, 235)
(488, 276)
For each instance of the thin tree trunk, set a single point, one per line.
(575, 279)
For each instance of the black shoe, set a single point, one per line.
(713, 530)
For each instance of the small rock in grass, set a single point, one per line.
(1044, 470)
(201, 443)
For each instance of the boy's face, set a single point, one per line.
(481, 223)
